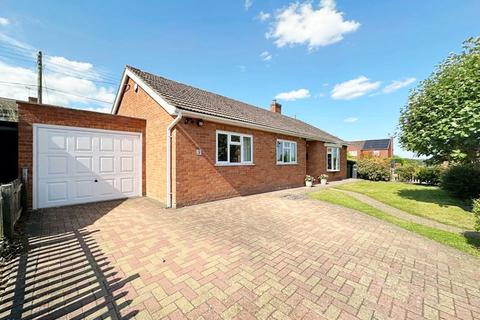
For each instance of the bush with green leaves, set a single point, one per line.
(476, 213)
(407, 172)
(430, 175)
(462, 181)
(374, 168)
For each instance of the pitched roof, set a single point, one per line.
(188, 98)
(8, 109)
(377, 144)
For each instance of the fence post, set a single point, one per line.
(24, 190)
(1, 214)
(7, 195)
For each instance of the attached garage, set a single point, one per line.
(75, 156)
(77, 165)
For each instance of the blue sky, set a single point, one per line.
(344, 66)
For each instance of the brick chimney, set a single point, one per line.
(276, 107)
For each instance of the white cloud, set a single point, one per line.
(398, 84)
(266, 56)
(293, 95)
(301, 23)
(248, 4)
(263, 16)
(350, 119)
(354, 88)
(66, 82)
(4, 21)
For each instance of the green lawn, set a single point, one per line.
(458, 241)
(424, 201)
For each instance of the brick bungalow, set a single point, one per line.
(382, 148)
(201, 146)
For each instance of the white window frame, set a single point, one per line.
(230, 142)
(353, 153)
(376, 153)
(296, 152)
(337, 163)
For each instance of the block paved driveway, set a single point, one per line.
(276, 255)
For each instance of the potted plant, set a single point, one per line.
(309, 181)
(323, 179)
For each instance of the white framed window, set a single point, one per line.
(333, 159)
(234, 148)
(376, 153)
(286, 152)
(353, 153)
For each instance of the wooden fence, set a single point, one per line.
(13, 198)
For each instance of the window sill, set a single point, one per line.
(233, 164)
(333, 170)
(287, 164)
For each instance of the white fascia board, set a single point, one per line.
(127, 74)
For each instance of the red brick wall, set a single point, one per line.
(140, 105)
(198, 179)
(317, 161)
(29, 114)
(383, 153)
(355, 148)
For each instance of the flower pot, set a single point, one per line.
(323, 182)
(309, 183)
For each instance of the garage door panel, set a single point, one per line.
(83, 143)
(127, 164)
(53, 165)
(84, 189)
(106, 143)
(106, 164)
(83, 165)
(53, 141)
(53, 192)
(76, 166)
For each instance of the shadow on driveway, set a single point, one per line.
(64, 272)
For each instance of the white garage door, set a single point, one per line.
(78, 165)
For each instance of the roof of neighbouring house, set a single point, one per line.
(8, 109)
(377, 144)
(188, 98)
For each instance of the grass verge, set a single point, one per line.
(424, 201)
(463, 243)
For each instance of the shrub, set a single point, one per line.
(374, 168)
(430, 175)
(462, 181)
(476, 213)
(407, 172)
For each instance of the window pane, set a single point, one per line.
(294, 152)
(235, 153)
(247, 149)
(279, 151)
(286, 155)
(235, 138)
(222, 153)
(337, 160)
(329, 161)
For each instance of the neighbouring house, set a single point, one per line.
(201, 146)
(382, 148)
(169, 141)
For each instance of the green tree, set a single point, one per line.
(442, 116)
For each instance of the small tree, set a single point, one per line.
(442, 115)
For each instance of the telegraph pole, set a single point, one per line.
(39, 78)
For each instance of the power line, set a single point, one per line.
(52, 89)
(80, 77)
